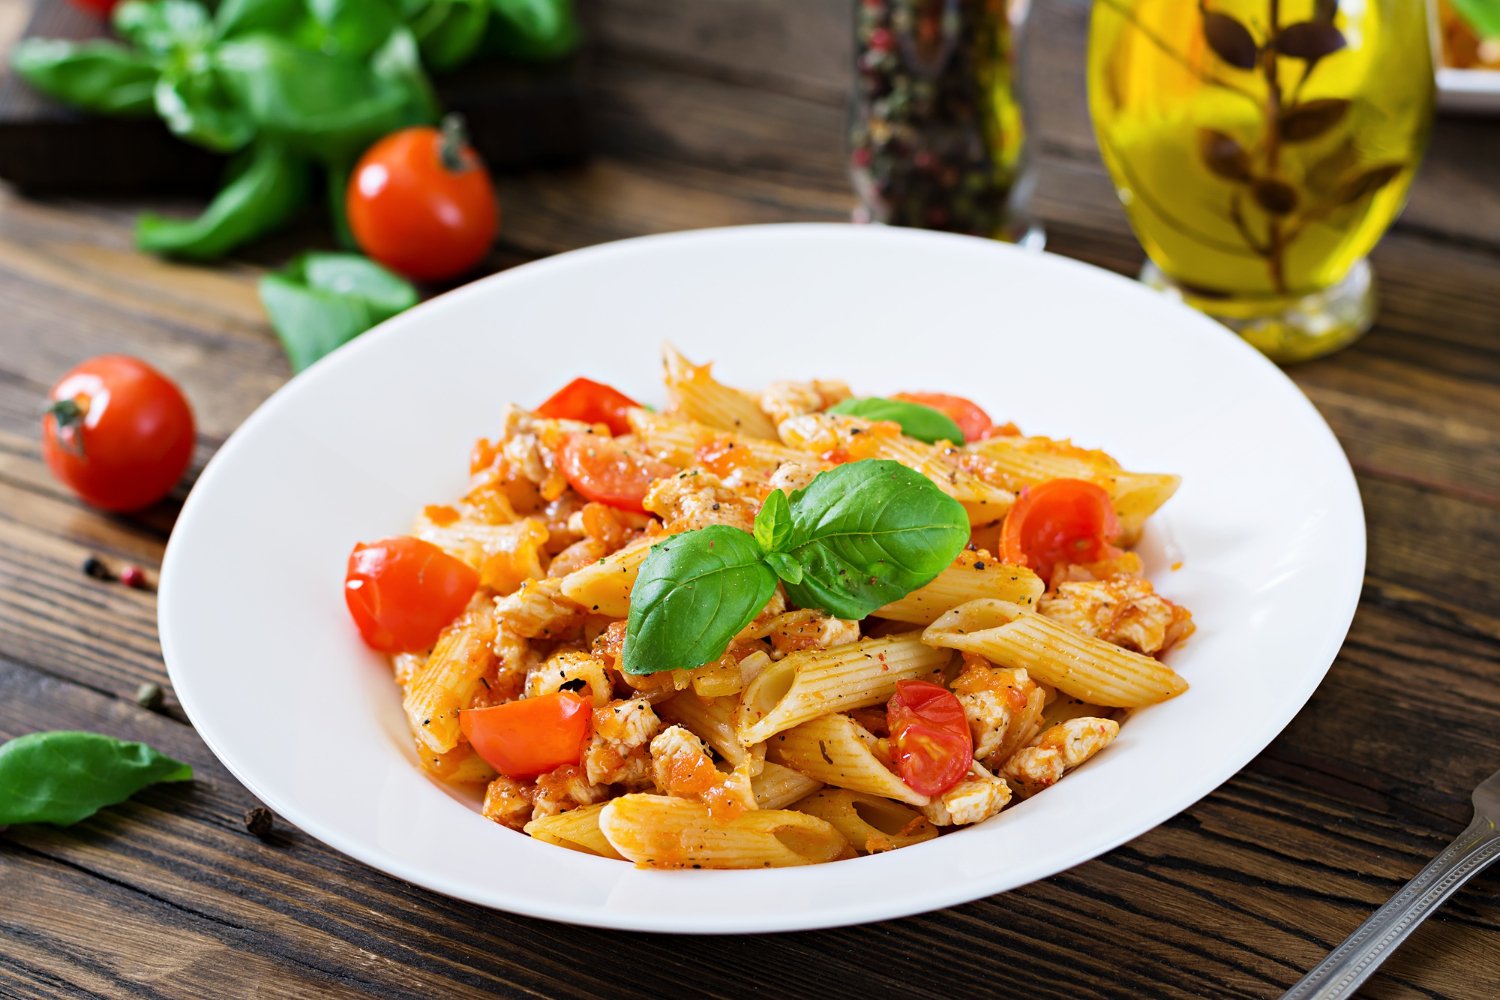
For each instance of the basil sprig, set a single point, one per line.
(917, 421)
(857, 538)
(321, 301)
(63, 777)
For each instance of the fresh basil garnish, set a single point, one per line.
(869, 533)
(63, 777)
(694, 592)
(917, 421)
(858, 537)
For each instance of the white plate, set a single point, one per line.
(1468, 91)
(264, 659)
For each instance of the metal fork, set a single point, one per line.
(1352, 962)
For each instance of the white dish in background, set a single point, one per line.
(1468, 91)
(264, 659)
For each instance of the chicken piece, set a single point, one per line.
(524, 453)
(785, 398)
(977, 796)
(617, 751)
(682, 766)
(1125, 611)
(565, 788)
(998, 703)
(571, 670)
(790, 477)
(1057, 751)
(696, 499)
(539, 611)
(509, 802)
(795, 632)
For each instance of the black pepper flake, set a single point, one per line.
(260, 821)
(576, 684)
(823, 750)
(979, 565)
(94, 567)
(715, 507)
(149, 696)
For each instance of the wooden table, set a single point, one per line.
(714, 112)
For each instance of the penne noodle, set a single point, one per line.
(1078, 665)
(697, 395)
(869, 823)
(712, 721)
(505, 554)
(814, 682)
(838, 751)
(685, 443)
(539, 610)
(971, 577)
(777, 786)
(603, 587)
(459, 766)
(660, 831)
(450, 679)
(577, 830)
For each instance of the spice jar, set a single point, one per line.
(936, 135)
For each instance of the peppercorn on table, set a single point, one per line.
(715, 112)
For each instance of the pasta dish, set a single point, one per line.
(761, 629)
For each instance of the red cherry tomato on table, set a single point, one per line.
(592, 402)
(606, 471)
(103, 8)
(930, 741)
(522, 739)
(420, 202)
(118, 433)
(967, 414)
(403, 591)
(1059, 521)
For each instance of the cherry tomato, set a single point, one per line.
(1059, 521)
(930, 741)
(118, 433)
(967, 414)
(403, 591)
(420, 202)
(102, 8)
(522, 739)
(604, 470)
(592, 402)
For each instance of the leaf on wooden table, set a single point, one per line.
(1310, 119)
(1230, 40)
(1223, 155)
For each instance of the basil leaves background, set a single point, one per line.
(323, 300)
(63, 777)
(858, 537)
(917, 421)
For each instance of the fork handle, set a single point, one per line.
(1352, 962)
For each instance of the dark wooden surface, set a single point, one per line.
(520, 116)
(729, 111)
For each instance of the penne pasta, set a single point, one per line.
(603, 587)
(459, 766)
(539, 610)
(805, 685)
(660, 831)
(712, 720)
(577, 830)
(869, 823)
(777, 786)
(971, 577)
(687, 444)
(450, 679)
(697, 395)
(505, 554)
(1078, 665)
(838, 751)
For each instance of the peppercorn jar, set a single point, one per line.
(936, 134)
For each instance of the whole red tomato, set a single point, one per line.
(103, 8)
(420, 202)
(118, 433)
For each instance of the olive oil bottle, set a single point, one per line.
(1261, 148)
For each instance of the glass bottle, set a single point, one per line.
(1261, 148)
(936, 134)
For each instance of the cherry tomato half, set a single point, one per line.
(592, 402)
(967, 414)
(118, 433)
(1059, 521)
(420, 202)
(522, 739)
(930, 741)
(403, 591)
(604, 470)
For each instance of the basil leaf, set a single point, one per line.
(162, 27)
(196, 107)
(773, 525)
(352, 27)
(63, 777)
(869, 533)
(917, 421)
(449, 32)
(1482, 15)
(266, 186)
(533, 29)
(97, 76)
(323, 300)
(243, 17)
(695, 591)
(784, 566)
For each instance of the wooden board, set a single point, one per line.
(518, 116)
(715, 112)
